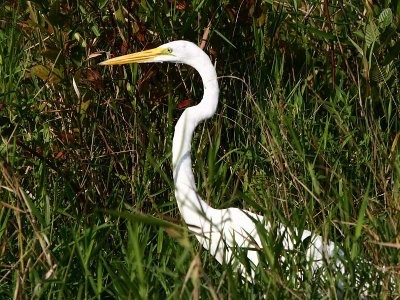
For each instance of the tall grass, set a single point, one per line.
(306, 134)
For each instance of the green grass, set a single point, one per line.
(306, 134)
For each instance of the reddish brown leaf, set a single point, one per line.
(66, 137)
(93, 75)
(185, 103)
(181, 5)
(140, 37)
(59, 155)
(124, 48)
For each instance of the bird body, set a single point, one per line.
(221, 231)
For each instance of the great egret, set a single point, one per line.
(221, 231)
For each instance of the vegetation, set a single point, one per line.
(307, 134)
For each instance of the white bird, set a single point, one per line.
(221, 231)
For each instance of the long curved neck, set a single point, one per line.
(191, 206)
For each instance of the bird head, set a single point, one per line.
(175, 52)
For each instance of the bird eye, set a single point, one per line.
(169, 50)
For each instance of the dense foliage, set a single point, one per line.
(306, 133)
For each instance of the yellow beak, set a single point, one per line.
(143, 56)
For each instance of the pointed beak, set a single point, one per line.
(138, 57)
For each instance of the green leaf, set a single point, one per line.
(371, 34)
(315, 184)
(392, 53)
(33, 209)
(43, 73)
(356, 46)
(224, 38)
(361, 215)
(377, 74)
(55, 17)
(385, 18)
(146, 219)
